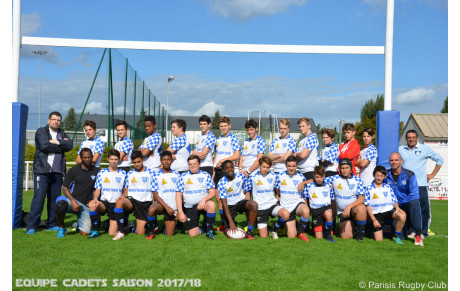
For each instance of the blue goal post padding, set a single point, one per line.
(387, 135)
(20, 112)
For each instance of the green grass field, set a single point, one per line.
(224, 264)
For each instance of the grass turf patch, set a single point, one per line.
(224, 264)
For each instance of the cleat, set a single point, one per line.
(210, 235)
(61, 232)
(303, 237)
(157, 230)
(31, 231)
(250, 236)
(150, 235)
(360, 238)
(56, 228)
(418, 241)
(398, 240)
(274, 235)
(423, 236)
(221, 228)
(431, 233)
(118, 235)
(411, 235)
(94, 234)
(330, 238)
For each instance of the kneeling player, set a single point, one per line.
(109, 186)
(137, 195)
(349, 196)
(231, 194)
(195, 189)
(292, 199)
(164, 193)
(381, 204)
(261, 185)
(320, 195)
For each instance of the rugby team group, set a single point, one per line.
(180, 184)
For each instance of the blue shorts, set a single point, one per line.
(84, 221)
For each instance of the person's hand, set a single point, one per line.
(201, 205)
(93, 203)
(429, 177)
(170, 211)
(54, 141)
(346, 212)
(75, 206)
(182, 217)
(376, 223)
(300, 187)
(125, 158)
(244, 173)
(232, 225)
(219, 164)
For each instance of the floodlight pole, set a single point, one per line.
(170, 79)
(40, 53)
(389, 54)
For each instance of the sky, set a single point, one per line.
(325, 87)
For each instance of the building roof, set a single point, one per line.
(433, 126)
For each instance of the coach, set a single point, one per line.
(49, 167)
(415, 156)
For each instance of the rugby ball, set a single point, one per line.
(235, 233)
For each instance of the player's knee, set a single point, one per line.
(210, 206)
(61, 205)
(284, 214)
(252, 205)
(328, 214)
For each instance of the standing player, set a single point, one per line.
(282, 147)
(320, 195)
(329, 157)
(368, 158)
(227, 148)
(92, 142)
(205, 145)
(381, 204)
(151, 147)
(180, 148)
(231, 193)
(164, 192)
(307, 150)
(350, 148)
(109, 186)
(83, 177)
(137, 195)
(261, 185)
(195, 190)
(125, 146)
(349, 196)
(253, 149)
(291, 199)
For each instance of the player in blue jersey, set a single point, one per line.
(92, 142)
(164, 192)
(292, 199)
(137, 196)
(282, 147)
(109, 186)
(180, 147)
(368, 158)
(125, 146)
(194, 192)
(381, 203)
(205, 145)
(261, 185)
(151, 147)
(252, 150)
(231, 193)
(349, 196)
(307, 150)
(320, 195)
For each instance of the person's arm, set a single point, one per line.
(211, 193)
(180, 211)
(231, 223)
(439, 161)
(65, 143)
(302, 155)
(42, 142)
(75, 206)
(346, 212)
(166, 207)
(277, 194)
(240, 165)
(95, 157)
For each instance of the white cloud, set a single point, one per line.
(415, 95)
(245, 10)
(121, 110)
(30, 23)
(209, 109)
(93, 107)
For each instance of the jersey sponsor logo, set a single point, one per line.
(163, 182)
(106, 180)
(230, 189)
(245, 147)
(314, 195)
(198, 142)
(277, 146)
(270, 180)
(351, 186)
(325, 193)
(133, 180)
(375, 196)
(145, 179)
(118, 179)
(259, 183)
(217, 144)
(93, 177)
(284, 183)
(385, 194)
(340, 186)
(189, 182)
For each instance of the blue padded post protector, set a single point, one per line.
(387, 135)
(20, 112)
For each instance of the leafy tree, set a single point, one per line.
(444, 108)
(371, 107)
(139, 128)
(70, 121)
(215, 120)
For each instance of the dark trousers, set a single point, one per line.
(425, 207)
(49, 186)
(413, 216)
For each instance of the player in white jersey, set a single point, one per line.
(194, 192)
(205, 145)
(253, 149)
(307, 150)
(180, 147)
(368, 158)
(320, 195)
(381, 203)
(329, 157)
(261, 185)
(292, 199)
(137, 195)
(125, 146)
(282, 147)
(349, 196)
(92, 142)
(164, 192)
(151, 147)
(231, 193)
(227, 148)
(109, 186)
